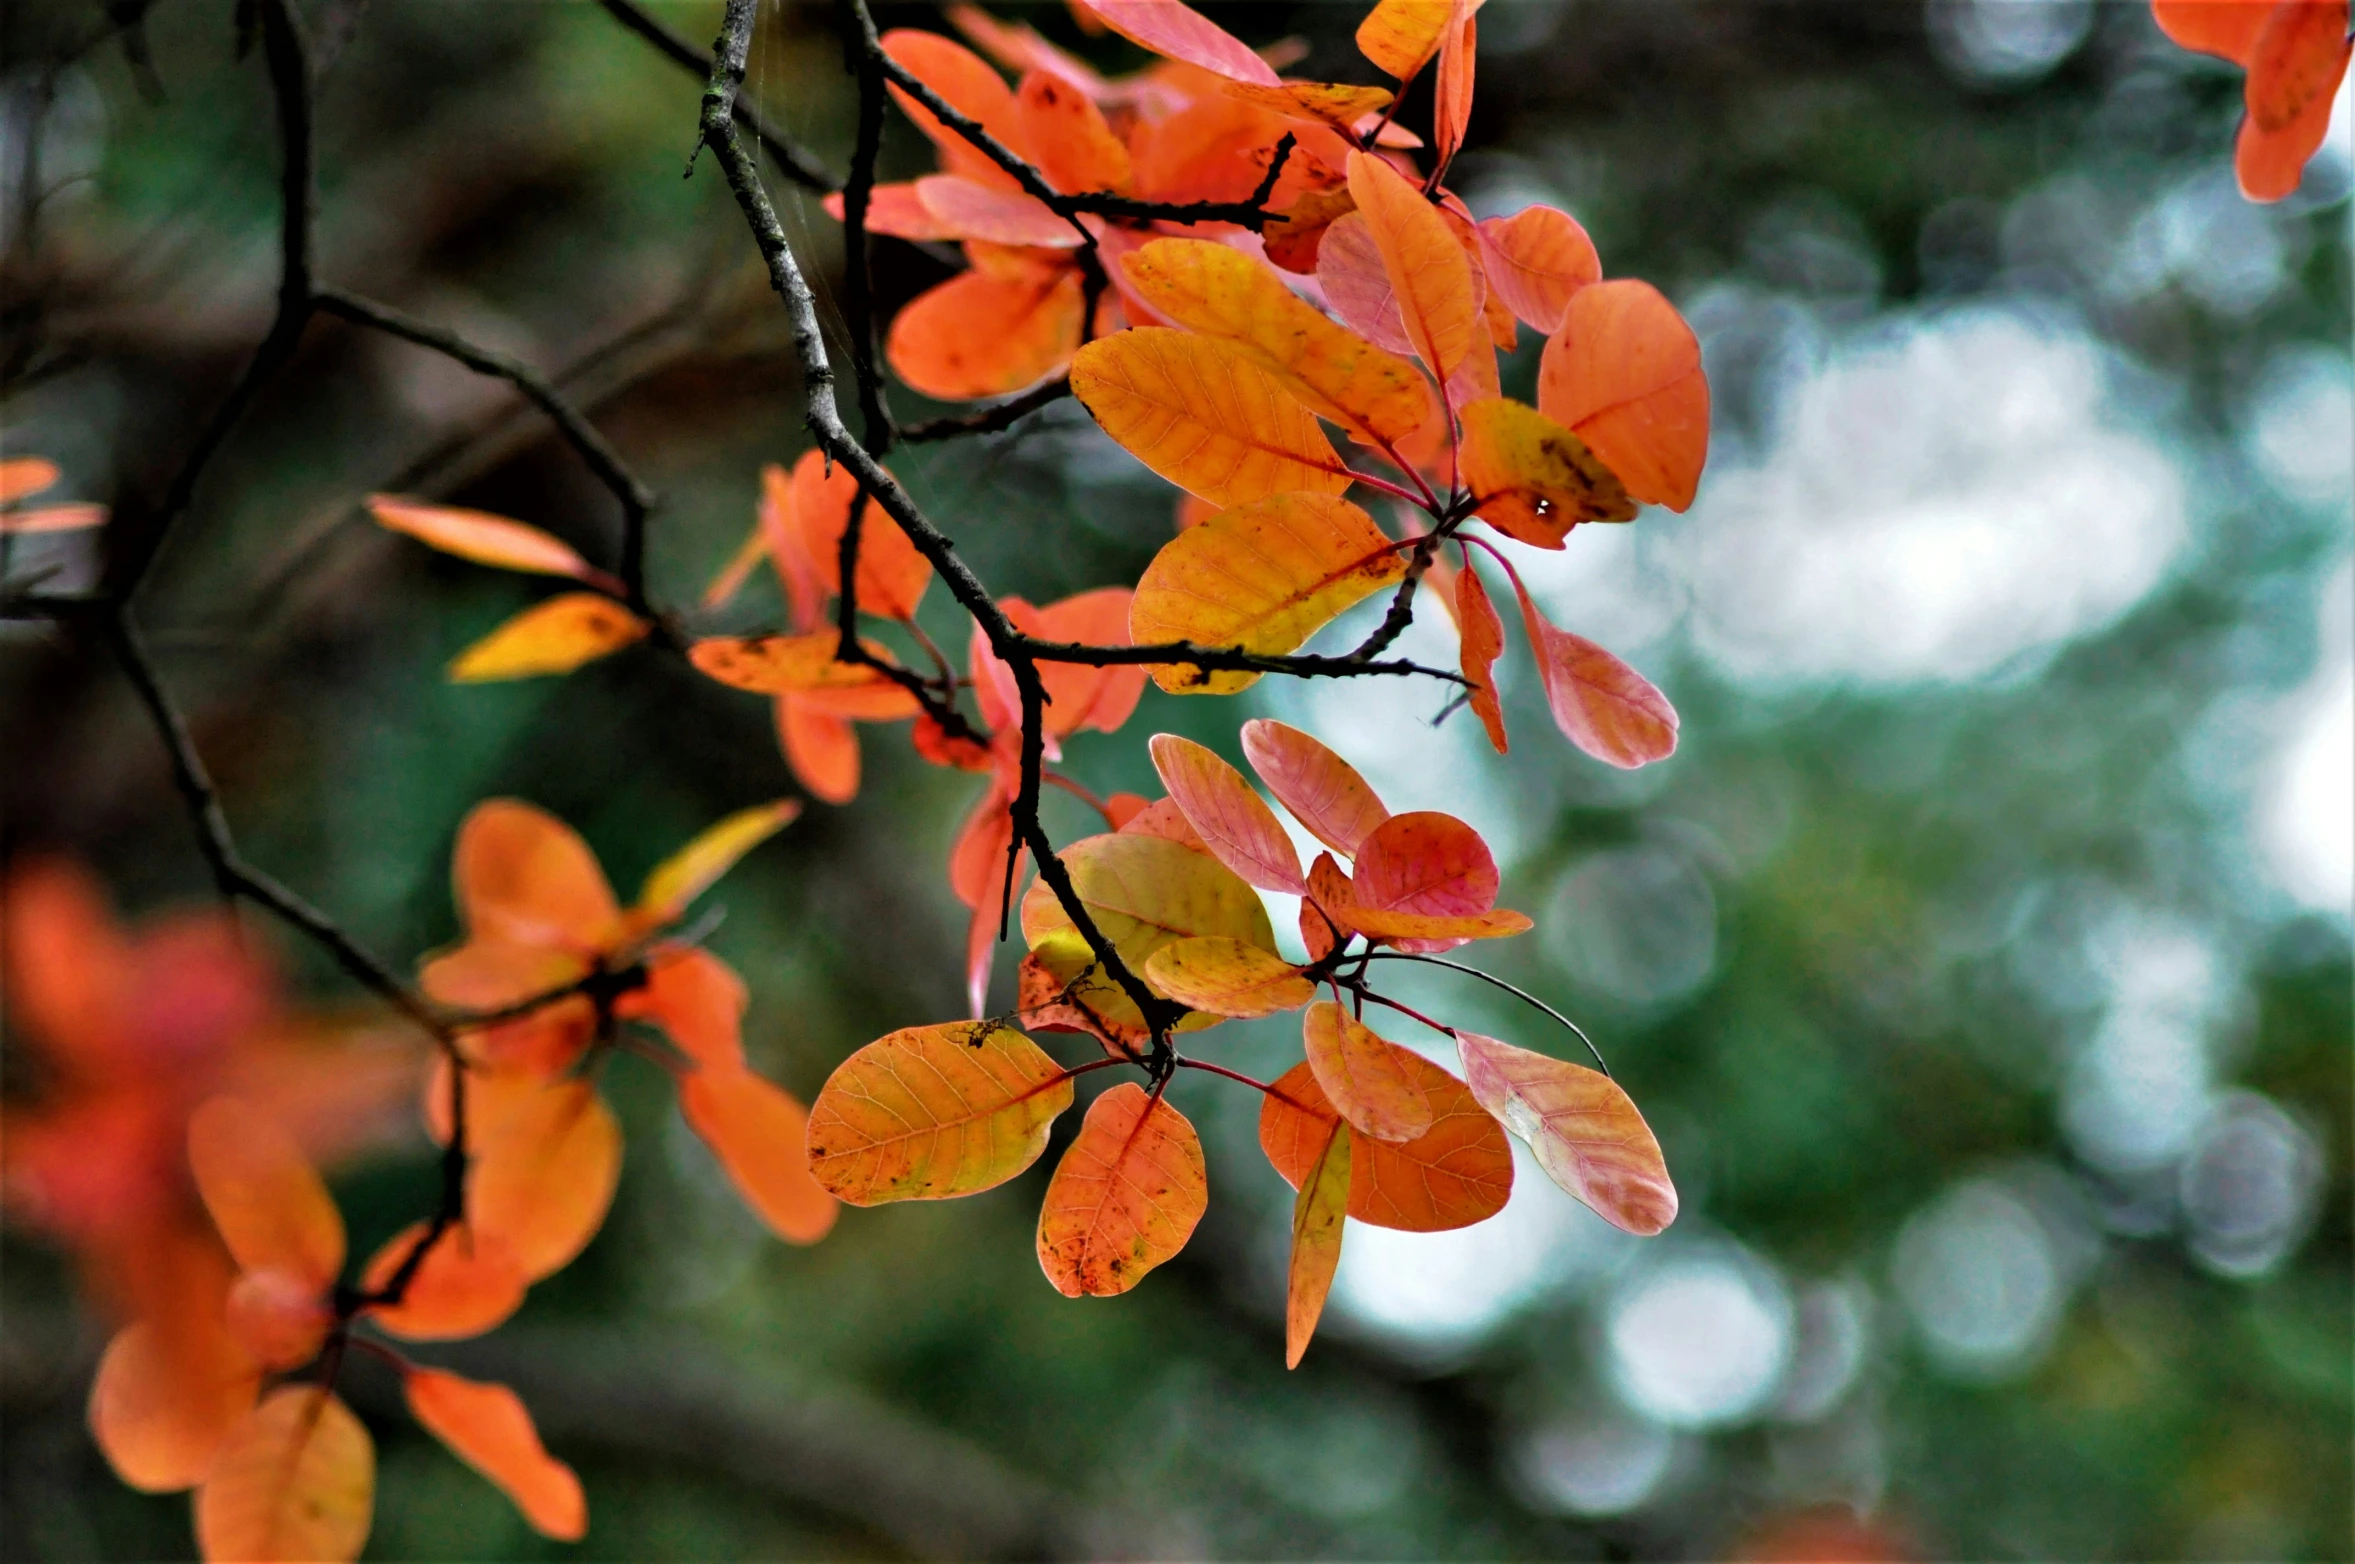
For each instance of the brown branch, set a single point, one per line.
(989, 420)
(799, 166)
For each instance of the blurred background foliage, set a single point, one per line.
(1982, 958)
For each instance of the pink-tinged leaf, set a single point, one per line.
(1330, 891)
(1623, 373)
(1451, 109)
(900, 211)
(1322, 791)
(1428, 271)
(1603, 706)
(1425, 862)
(1179, 32)
(1125, 1197)
(51, 518)
(1020, 49)
(1482, 635)
(1233, 821)
(1163, 818)
(1317, 1213)
(1536, 259)
(970, 210)
(1586, 1132)
(1349, 269)
(1370, 1081)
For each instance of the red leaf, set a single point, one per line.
(1235, 824)
(1603, 706)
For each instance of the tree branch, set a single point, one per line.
(990, 419)
(798, 165)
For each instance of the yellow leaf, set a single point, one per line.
(1228, 977)
(1586, 1131)
(689, 872)
(1316, 1243)
(784, 664)
(1202, 415)
(296, 1482)
(481, 537)
(556, 636)
(934, 1112)
(1124, 1198)
(1534, 479)
(1369, 1080)
(1263, 577)
(1428, 270)
(1223, 293)
(1329, 103)
(1143, 892)
(1400, 36)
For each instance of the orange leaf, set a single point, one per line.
(1482, 636)
(168, 1392)
(1400, 36)
(2228, 28)
(1536, 259)
(524, 877)
(2294, 73)
(821, 748)
(1369, 1080)
(1235, 825)
(1349, 269)
(778, 522)
(1623, 373)
(898, 210)
(1295, 240)
(23, 475)
(698, 1001)
(1586, 1132)
(279, 1317)
(976, 335)
(265, 1197)
(1323, 791)
(1201, 414)
(1049, 1004)
(1458, 1172)
(757, 1130)
(481, 537)
(296, 1481)
(1076, 149)
(966, 82)
(487, 1427)
(1079, 696)
(1220, 292)
(998, 216)
(1179, 32)
(547, 1158)
(556, 636)
(1425, 862)
(781, 664)
(1533, 479)
(1428, 271)
(1451, 104)
(51, 518)
(934, 1112)
(1228, 977)
(1124, 1198)
(1603, 706)
(1262, 577)
(1020, 48)
(738, 569)
(1316, 1242)
(469, 1282)
(892, 572)
(696, 867)
(1322, 102)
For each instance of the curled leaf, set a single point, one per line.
(1482, 636)
(1585, 1130)
(295, 1482)
(1370, 1081)
(556, 636)
(1143, 892)
(1262, 577)
(1316, 1242)
(934, 1112)
(1125, 1197)
(487, 1427)
(1228, 977)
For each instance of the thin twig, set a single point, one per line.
(1521, 994)
(798, 165)
(989, 420)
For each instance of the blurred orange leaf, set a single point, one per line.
(168, 1391)
(295, 1482)
(280, 1317)
(977, 335)
(1197, 411)
(1234, 823)
(934, 1112)
(469, 1282)
(2296, 64)
(547, 1158)
(1177, 31)
(487, 1427)
(1368, 1080)
(1533, 479)
(1623, 373)
(483, 538)
(1428, 272)
(1124, 1198)
(1261, 577)
(1316, 1242)
(51, 518)
(1458, 1172)
(1220, 292)
(698, 1001)
(271, 1207)
(892, 573)
(1228, 977)
(1482, 635)
(757, 1130)
(785, 664)
(556, 636)
(1322, 791)
(1585, 1130)
(524, 877)
(23, 475)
